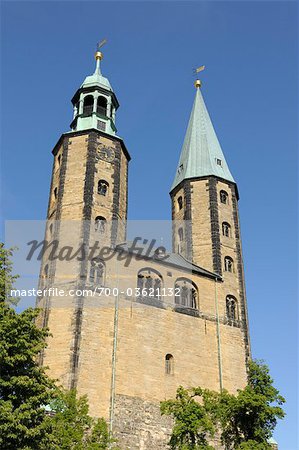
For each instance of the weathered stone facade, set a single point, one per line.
(139, 424)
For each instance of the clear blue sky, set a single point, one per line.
(249, 49)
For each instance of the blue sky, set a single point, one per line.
(249, 85)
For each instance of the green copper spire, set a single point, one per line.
(201, 153)
(95, 103)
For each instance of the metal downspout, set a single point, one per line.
(114, 350)
(218, 338)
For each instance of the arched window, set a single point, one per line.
(55, 193)
(228, 264)
(149, 283)
(226, 230)
(103, 187)
(97, 272)
(100, 224)
(224, 197)
(186, 293)
(180, 202)
(231, 309)
(169, 364)
(102, 106)
(88, 105)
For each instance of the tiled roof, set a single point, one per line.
(170, 259)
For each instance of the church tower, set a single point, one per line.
(89, 179)
(204, 196)
(88, 195)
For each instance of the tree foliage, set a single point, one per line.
(73, 427)
(245, 421)
(193, 420)
(251, 416)
(24, 386)
(7, 279)
(26, 392)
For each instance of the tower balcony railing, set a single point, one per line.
(88, 110)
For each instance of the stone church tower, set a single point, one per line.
(163, 322)
(205, 212)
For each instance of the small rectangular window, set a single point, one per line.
(219, 162)
(101, 125)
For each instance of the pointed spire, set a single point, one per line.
(97, 79)
(201, 154)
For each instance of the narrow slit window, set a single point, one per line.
(100, 224)
(181, 234)
(224, 197)
(231, 309)
(169, 364)
(228, 264)
(226, 229)
(180, 202)
(103, 186)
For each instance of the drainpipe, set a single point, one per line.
(114, 350)
(218, 338)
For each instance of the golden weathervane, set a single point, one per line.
(197, 82)
(98, 54)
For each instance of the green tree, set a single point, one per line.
(72, 426)
(7, 279)
(193, 421)
(24, 386)
(248, 419)
(26, 391)
(244, 421)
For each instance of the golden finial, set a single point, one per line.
(197, 83)
(99, 55)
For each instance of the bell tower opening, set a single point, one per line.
(95, 103)
(102, 106)
(88, 105)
